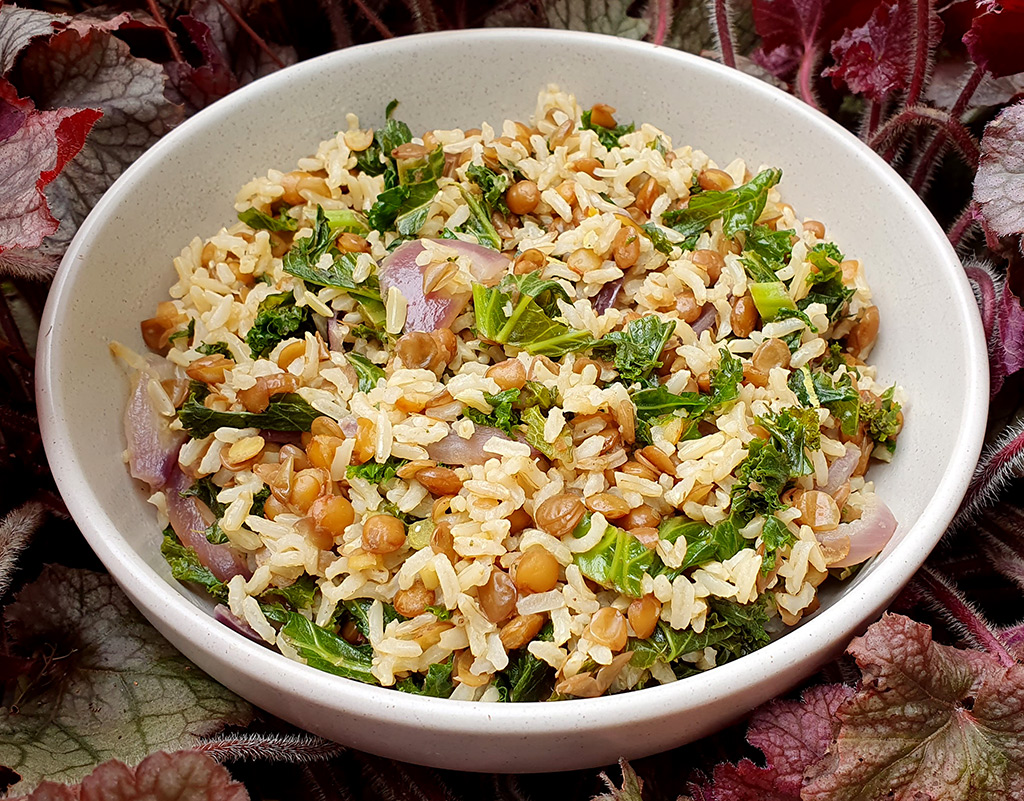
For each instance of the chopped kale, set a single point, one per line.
(367, 373)
(185, 566)
(376, 472)
(502, 415)
(436, 683)
(493, 185)
(658, 238)
(529, 326)
(619, 560)
(325, 650)
(215, 347)
(526, 678)
(826, 281)
(277, 319)
(883, 422)
(637, 349)
(259, 500)
(260, 220)
(739, 208)
(186, 333)
(287, 412)
(609, 137)
(299, 594)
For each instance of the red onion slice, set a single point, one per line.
(224, 614)
(841, 469)
(437, 309)
(152, 446)
(605, 299)
(707, 319)
(867, 536)
(224, 561)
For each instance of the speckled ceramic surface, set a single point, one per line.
(119, 267)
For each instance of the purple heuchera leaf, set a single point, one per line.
(18, 27)
(994, 39)
(874, 59)
(929, 722)
(792, 735)
(35, 146)
(792, 30)
(230, 57)
(177, 776)
(1010, 328)
(95, 69)
(999, 184)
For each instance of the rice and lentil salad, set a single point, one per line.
(546, 412)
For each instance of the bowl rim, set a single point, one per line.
(168, 604)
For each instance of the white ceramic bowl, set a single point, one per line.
(119, 267)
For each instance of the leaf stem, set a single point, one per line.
(940, 120)
(922, 46)
(958, 230)
(949, 601)
(992, 471)
(987, 295)
(661, 16)
(260, 43)
(724, 33)
(373, 19)
(925, 165)
(807, 63)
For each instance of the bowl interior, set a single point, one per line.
(119, 266)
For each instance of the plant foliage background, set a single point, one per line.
(929, 703)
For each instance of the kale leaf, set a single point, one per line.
(324, 650)
(883, 421)
(732, 629)
(526, 678)
(560, 449)
(739, 208)
(287, 412)
(840, 397)
(637, 349)
(376, 159)
(760, 481)
(436, 683)
(528, 326)
(479, 223)
(185, 566)
(775, 535)
(376, 472)
(619, 560)
(654, 403)
(609, 137)
(260, 220)
(277, 318)
(404, 207)
(658, 238)
(826, 281)
(299, 594)
(367, 373)
(208, 349)
(502, 415)
(493, 185)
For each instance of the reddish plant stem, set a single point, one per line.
(262, 45)
(924, 166)
(987, 291)
(922, 115)
(874, 117)
(661, 22)
(992, 465)
(373, 19)
(804, 76)
(922, 44)
(172, 43)
(952, 603)
(961, 226)
(725, 34)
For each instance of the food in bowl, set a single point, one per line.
(547, 414)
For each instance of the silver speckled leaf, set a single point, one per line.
(112, 686)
